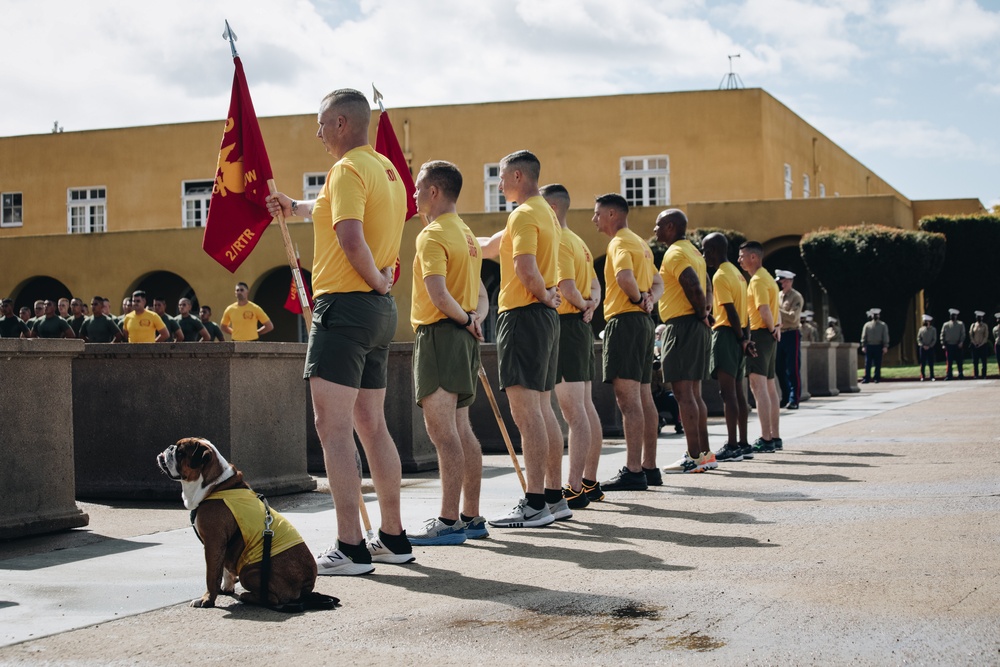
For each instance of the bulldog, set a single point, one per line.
(229, 519)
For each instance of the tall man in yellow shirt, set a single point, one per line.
(448, 306)
(245, 320)
(765, 331)
(581, 293)
(633, 288)
(358, 226)
(528, 337)
(687, 339)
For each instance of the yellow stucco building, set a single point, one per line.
(105, 212)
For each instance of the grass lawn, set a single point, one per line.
(913, 372)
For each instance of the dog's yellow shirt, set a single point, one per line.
(249, 514)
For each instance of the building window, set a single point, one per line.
(196, 197)
(646, 180)
(788, 181)
(822, 190)
(312, 185)
(805, 186)
(495, 201)
(11, 210)
(86, 210)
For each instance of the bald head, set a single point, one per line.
(716, 248)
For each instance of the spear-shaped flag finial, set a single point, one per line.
(231, 36)
(377, 96)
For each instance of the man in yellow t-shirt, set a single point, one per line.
(633, 288)
(581, 293)
(245, 320)
(141, 325)
(765, 331)
(357, 225)
(730, 344)
(687, 338)
(528, 337)
(448, 306)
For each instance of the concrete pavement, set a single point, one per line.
(871, 539)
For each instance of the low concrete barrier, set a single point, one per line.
(131, 401)
(822, 368)
(36, 432)
(847, 367)
(805, 354)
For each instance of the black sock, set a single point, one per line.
(447, 522)
(589, 482)
(466, 519)
(536, 501)
(397, 544)
(356, 552)
(552, 496)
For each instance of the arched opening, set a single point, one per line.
(490, 274)
(164, 285)
(270, 292)
(788, 257)
(598, 322)
(39, 287)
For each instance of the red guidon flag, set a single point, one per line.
(387, 144)
(292, 302)
(237, 214)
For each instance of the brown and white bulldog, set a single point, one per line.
(215, 488)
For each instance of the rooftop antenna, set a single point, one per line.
(731, 81)
(56, 128)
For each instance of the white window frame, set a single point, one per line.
(789, 183)
(495, 201)
(645, 179)
(805, 186)
(12, 214)
(822, 191)
(87, 210)
(312, 186)
(196, 195)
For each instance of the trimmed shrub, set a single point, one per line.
(970, 278)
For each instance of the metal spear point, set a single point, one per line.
(231, 36)
(377, 96)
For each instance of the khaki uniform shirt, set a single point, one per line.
(953, 332)
(790, 305)
(834, 334)
(927, 336)
(979, 334)
(875, 332)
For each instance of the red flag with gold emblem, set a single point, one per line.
(292, 303)
(237, 214)
(387, 144)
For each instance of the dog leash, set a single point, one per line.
(265, 563)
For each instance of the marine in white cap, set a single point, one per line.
(996, 339)
(789, 362)
(875, 342)
(953, 342)
(926, 342)
(833, 333)
(809, 332)
(979, 341)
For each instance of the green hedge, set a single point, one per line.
(873, 266)
(695, 236)
(970, 279)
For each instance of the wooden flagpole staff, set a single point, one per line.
(503, 427)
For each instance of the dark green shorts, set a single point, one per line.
(767, 354)
(446, 357)
(528, 347)
(349, 339)
(628, 348)
(727, 354)
(687, 346)
(576, 349)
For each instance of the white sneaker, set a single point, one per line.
(560, 510)
(383, 554)
(334, 562)
(523, 516)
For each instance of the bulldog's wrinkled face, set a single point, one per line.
(189, 460)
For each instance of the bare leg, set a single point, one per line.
(650, 426)
(572, 402)
(593, 457)
(440, 419)
(744, 411)
(633, 420)
(554, 440)
(332, 405)
(472, 476)
(727, 389)
(694, 415)
(776, 408)
(383, 458)
(525, 407)
(762, 389)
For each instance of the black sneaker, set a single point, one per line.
(747, 451)
(595, 493)
(729, 453)
(626, 480)
(762, 446)
(778, 445)
(653, 477)
(575, 499)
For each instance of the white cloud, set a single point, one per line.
(950, 27)
(909, 139)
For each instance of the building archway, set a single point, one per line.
(39, 287)
(783, 253)
(490, 275)
(168, 286)
(270, 292)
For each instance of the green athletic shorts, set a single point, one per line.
(687, 346)
(528, 347)
(576, 349)
(767, 354)
(349, 339)
(727, 354)
(447, 357)
(628, 348)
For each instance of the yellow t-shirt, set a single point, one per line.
(679, 256)
(445, 247)
(576, 263)
(244, 320)
(729, 286)
(762, 290)
(249, 514)
(362, 185)
(142, 328)
(626, 250)
(532, 229)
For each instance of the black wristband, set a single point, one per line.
(467, 322)
(636, 303)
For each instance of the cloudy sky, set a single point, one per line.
(909, 87)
